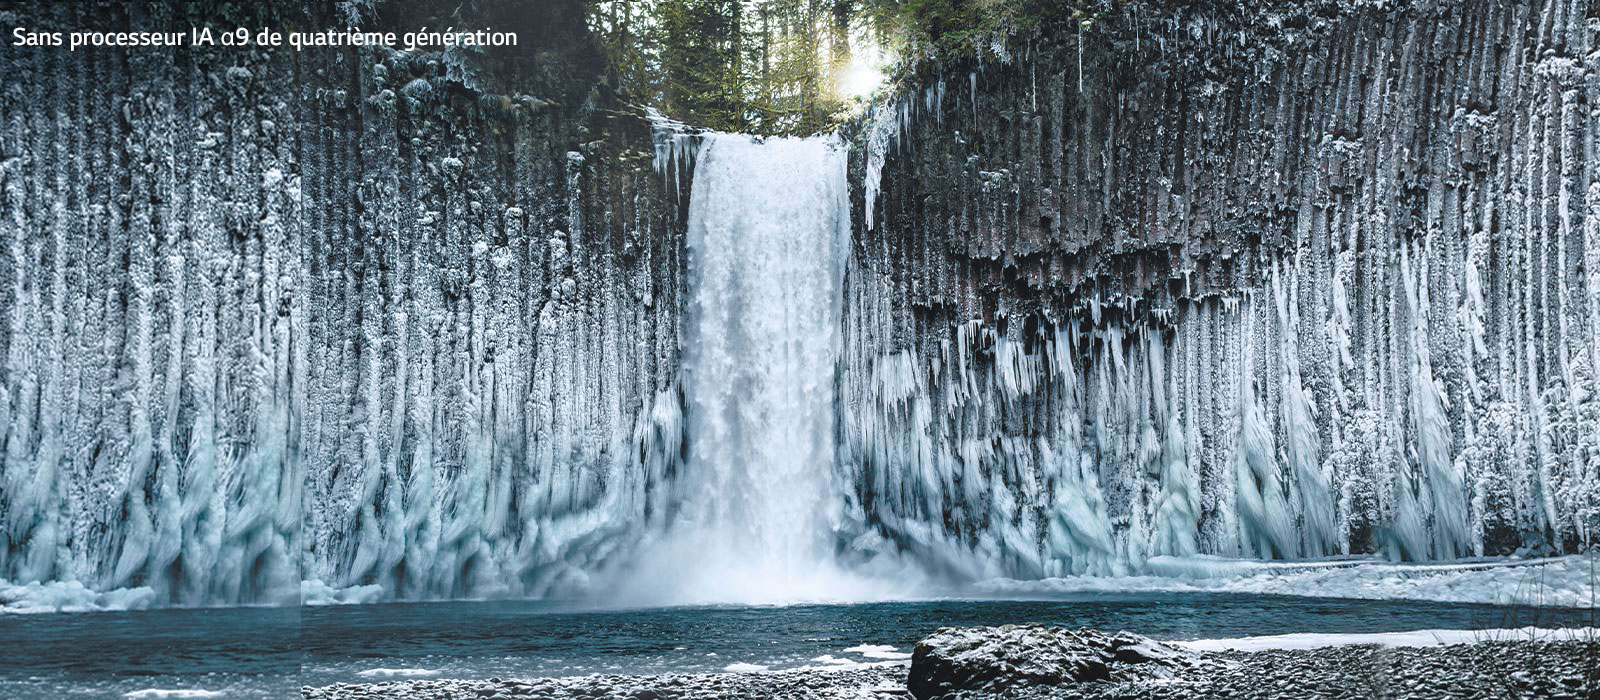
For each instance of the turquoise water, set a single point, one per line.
(271, 652)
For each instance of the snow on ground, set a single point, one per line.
(1418, 638)
(1571, 582)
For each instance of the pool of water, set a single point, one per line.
(271, 652)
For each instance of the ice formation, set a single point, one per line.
(347, 340)
(1564, 582)
(1293, 319)
(241, 363)
(1103, 445)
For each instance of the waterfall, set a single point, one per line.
(769, 227)
(767, 230)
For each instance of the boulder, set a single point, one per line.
(1011, 656)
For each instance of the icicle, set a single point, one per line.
(884, 129)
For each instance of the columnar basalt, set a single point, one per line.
(1253, 280)
(363, 317)
(1250, 279)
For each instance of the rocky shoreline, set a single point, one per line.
(1031, 662)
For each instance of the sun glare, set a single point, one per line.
(860, 79)
(866, 69)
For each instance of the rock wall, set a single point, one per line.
(358, 317)
(1277, 282)
(1258, 279)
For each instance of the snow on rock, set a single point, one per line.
(993, 659)
(1084, 330)
(1512, 669)
(235, 356)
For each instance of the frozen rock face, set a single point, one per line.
(358, 324)
(994, 659)
(361, 318)
(1273, 282)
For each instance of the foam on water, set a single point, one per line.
(1417, 638)
(878, 651)
(831, 660)
(173, 693)
(398, 673)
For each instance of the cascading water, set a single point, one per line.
(769, 226)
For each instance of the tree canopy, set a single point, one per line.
(777, 66)
(759, 66)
